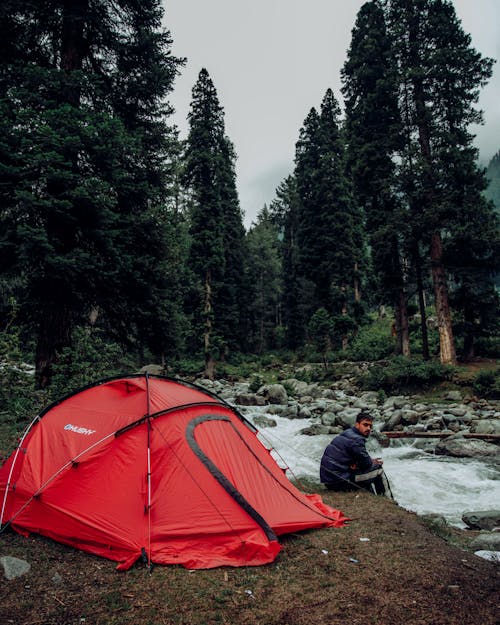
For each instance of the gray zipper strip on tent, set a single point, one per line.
(220, 477)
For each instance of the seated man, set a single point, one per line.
(346, 464)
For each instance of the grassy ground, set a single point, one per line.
(405, 573)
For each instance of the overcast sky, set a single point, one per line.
(272, 60)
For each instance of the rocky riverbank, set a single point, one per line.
(329, 409)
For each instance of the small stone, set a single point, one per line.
(14, 567)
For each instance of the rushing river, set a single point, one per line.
(420, 481)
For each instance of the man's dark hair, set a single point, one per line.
(364, 415)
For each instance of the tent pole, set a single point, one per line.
(7, 485)
(149, 472)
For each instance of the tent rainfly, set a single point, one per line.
(147, 466)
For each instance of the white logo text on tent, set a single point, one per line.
(78, 430)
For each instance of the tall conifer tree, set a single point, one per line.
(83, 87)
(374, 134)
(285, 211)
(440, 75)
(265, 281)
(216, 229)
(328, 225)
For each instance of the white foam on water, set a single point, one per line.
(420, 481)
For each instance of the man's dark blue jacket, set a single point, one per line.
(344, 451)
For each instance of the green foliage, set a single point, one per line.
(216, 229)
(320, 331)
(487, 384)
(488, 347)
(403, 374)
(264, 272)
(328, 222)
(372, 342)
(83, 157)
(90, 358)
(255, 383)
(18, 401)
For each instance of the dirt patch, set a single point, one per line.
(404, 573)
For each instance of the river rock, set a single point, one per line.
(274, 393)
(482, 519)
(314, 429)
(421, 408)
(329, 418)
(393, 421)
(300, 387)
(457, 411)
(348, 416)
(487, 426)
(291, 411)
(264, 422)
(410, 417)
(360, 404)
(395, 402)
(486, 540)
(461, 447)
(14, 567)
(249, 399)
(453, 396)
(304, 412)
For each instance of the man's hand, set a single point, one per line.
(378, 461)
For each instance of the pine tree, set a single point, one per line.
(285, 213)
(216, 229)
(264, 270)
(328, 226)
(82, 89)
(440, 76)
(373, 131)
(492, 192)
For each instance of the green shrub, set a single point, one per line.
(256, 382)
(89, 359)
(488, 346)
(487, 384)
(403, 374)
(373, 342)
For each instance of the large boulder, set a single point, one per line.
(392, 421)
(274, 393)
(461, 447)
(300, 387)
(482, 519)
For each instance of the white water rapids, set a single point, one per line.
(420, 481)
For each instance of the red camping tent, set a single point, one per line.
(153, 467)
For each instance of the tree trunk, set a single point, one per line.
(357, 292)
(73, 45)
(468, 350)
(417, 261)
(207, 336)
(401, 318)
(344, 313)
(446, 342)
(54, 334)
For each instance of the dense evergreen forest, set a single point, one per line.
(121, 243)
